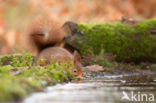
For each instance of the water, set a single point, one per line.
(105, 89)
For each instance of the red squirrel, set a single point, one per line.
(59, 54)
(44, 34)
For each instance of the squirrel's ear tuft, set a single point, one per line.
(77, 56)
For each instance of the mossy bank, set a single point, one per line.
(18, 77)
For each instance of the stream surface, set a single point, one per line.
(127, 88)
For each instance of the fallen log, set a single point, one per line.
(128, 41)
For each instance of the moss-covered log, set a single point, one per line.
(126, 41)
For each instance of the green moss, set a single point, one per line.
(101, 60)
(17, 60)
(21, 78)
(125, 42)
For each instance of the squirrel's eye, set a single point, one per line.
(74, 70)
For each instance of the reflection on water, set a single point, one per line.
(100, 90)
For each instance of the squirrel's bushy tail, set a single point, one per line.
(44, 31)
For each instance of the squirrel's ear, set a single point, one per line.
(77, 56)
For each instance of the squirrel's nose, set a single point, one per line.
(79, 77)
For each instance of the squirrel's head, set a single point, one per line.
(77, 71)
